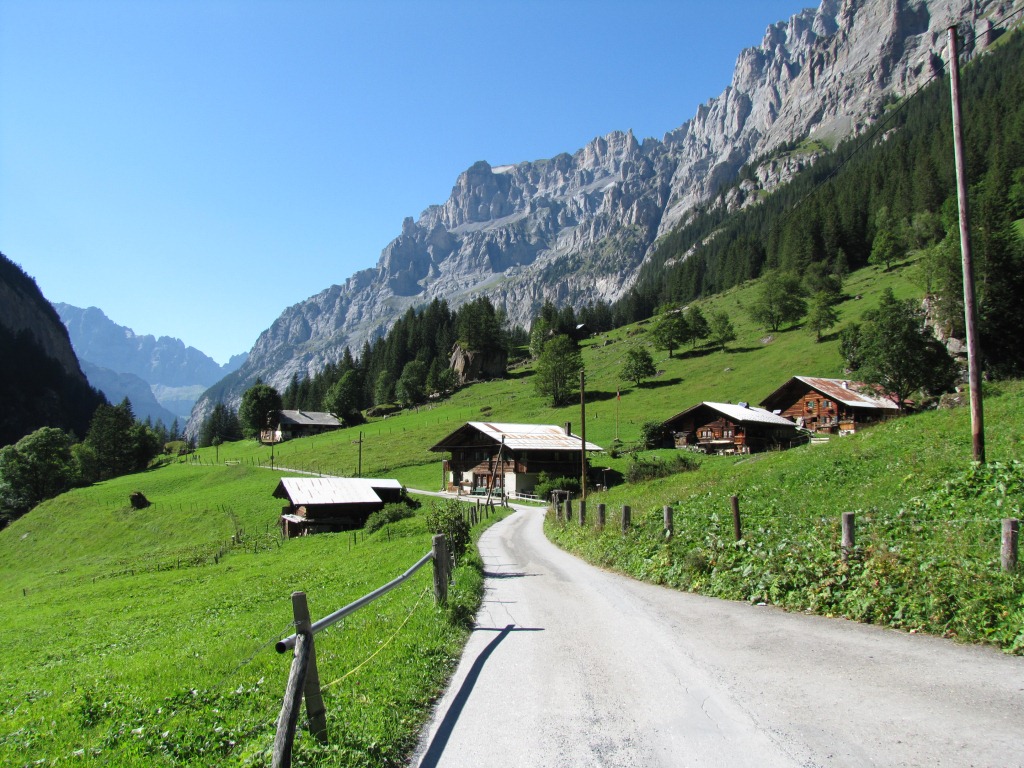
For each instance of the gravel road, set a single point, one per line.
(574, 666)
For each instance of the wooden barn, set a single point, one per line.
(299, 424)
(330, 504)
(508, 458)
(728, 428)
(834, 406)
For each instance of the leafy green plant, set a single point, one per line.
(546, 484)
(391, 513)
(641, 469)
(448, 517)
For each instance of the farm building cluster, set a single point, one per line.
(499, 460)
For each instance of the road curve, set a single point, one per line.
(574, 666)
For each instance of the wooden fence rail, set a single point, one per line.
(303, 678)
(1009, 541)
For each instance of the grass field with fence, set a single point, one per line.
(152, 644)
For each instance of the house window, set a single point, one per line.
(727, 433)
(812, 404)
(707, 433)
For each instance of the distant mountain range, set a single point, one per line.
(577, 228)
(161, 376)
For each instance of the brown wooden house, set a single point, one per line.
(835, 406)
(508, 458)
(330, 504)
(299, 424)
(728, 428)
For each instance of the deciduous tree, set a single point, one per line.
(557, 372)
(897, 351)
(720, 329)
(259, 409)
(638, 365)
(779, 300)
(822, 316)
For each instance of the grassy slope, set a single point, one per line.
(117, 654)
(178, 651)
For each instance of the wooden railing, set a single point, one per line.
(303, 678)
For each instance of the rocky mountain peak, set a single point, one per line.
(577, 227)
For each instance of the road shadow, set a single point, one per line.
(451, 717)
(514, 575)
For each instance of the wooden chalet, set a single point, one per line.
(727, 428)
(330, 504)
(834, 406)
(508, 458)
(299, 424)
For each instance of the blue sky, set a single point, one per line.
(194, 168)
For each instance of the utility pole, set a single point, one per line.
(359, 473)
(583, 437)
(970, 311)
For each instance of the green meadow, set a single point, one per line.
(145, 637)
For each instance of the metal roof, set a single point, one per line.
(525, 437)
(533, 436)
(746, 413)
(308, 418)
(742, 414)
(332, 490)
(848, 392)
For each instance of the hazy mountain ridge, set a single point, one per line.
(576, 228)
(119, 359)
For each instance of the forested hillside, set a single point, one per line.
(42, 384)
(897, 181)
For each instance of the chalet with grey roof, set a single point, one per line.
(728, 428)
(293, 424)
(330, 504)
(835, 406)
(509, 458)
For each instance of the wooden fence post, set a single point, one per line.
(627, 516)
(583, 512)
(315, 711)
(289, 717)
(441, 576)
(1011, 536)
(568, 509)
(849, 534)
(737, 529)
(601, 515)
(667, 510)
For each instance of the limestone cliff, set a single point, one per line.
(576, 227)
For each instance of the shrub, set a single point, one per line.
(447, 517)
(546, 484)
(391, 513)
(641, 469)
(653, 434)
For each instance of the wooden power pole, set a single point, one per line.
(970, 310)
(583, 438)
